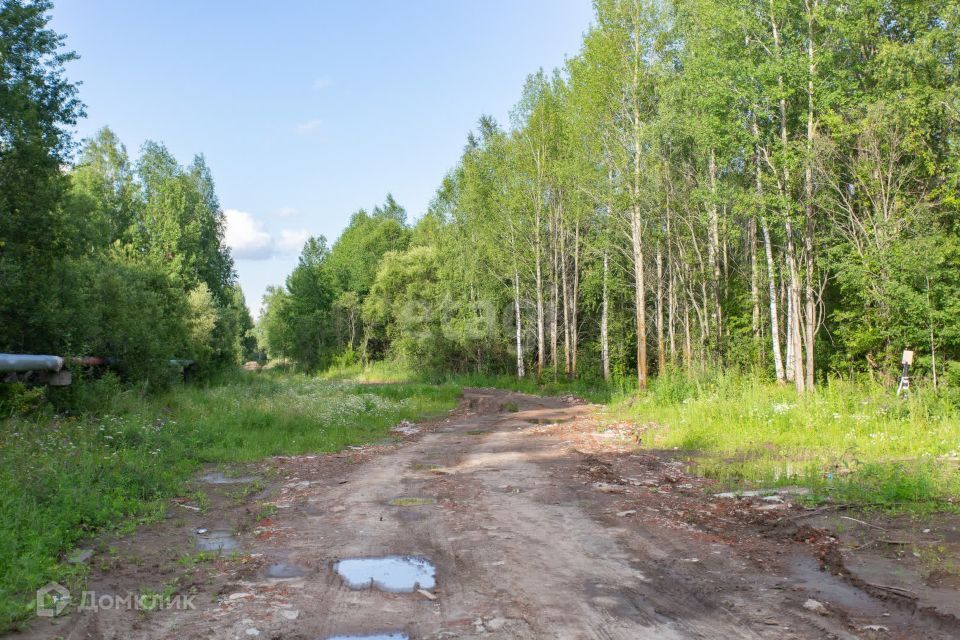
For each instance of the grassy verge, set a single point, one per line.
(594, 390)
(851, 442)
(65, 477)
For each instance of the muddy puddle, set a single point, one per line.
(833, 591)
(218, 540)
(285, 570)
(221, 478)
(396, 574)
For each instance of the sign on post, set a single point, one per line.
(906, 361)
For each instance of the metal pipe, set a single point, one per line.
(20, 362)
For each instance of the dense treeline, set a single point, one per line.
(755, 184)
(107, 256)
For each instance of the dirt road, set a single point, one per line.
(531, 535)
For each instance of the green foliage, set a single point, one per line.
(37, 105)
(113, 258)
(402, 305)
(316, 318)
(703, 182)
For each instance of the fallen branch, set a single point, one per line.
(816, 512)
(867, 524)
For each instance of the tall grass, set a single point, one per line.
(114, 463)
(392, 371)
(854, 441)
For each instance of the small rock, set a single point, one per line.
(496, 624)
(426, 594)
(290, 614)
(878, 628)
(202, 531)
(773, 507)
(239, 595)
(606, 487)
(815, 606)
(628, 512)
(406, 428)
(252, 631)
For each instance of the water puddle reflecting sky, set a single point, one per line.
(397, 574)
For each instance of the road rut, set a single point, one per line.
(526, 544)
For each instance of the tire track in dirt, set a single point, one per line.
(524, 547)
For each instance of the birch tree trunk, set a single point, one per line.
(640, 299)
(516, 306)
(774, 314)
(771, 267)
(538, 274)
(795, 346)
(754, 277)
(574, 300)
(554, 290)
(790, 368)
(671, 295)
(810, 315)
(713, 245)
(661, 346)
(636, 226)
(604, 319)
(566, 305)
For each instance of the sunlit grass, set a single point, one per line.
(65, 477)
(851, 441)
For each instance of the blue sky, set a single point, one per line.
(307, 111)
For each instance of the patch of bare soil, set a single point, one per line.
(538, 523)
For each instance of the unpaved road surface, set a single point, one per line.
(534, 533)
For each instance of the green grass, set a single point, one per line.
(66, 477)
(379, 372)
(852, 442)
(591, 389)
(389, 371)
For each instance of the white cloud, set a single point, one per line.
(291, 241)
(248, 239)
(310, 126)
(286, 212)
